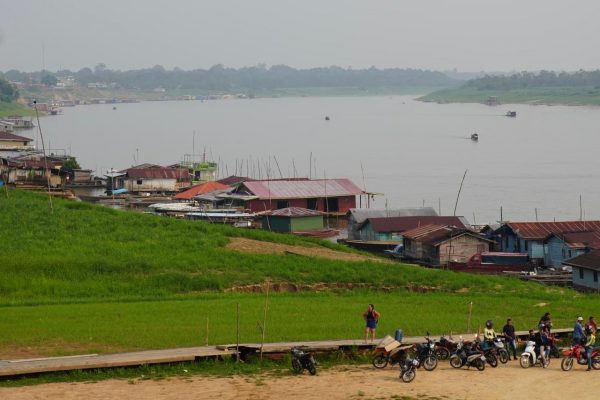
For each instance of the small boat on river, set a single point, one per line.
(475, 137)
(512, 114)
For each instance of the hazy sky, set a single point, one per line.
(470, 35)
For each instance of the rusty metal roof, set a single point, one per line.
(541, 230)
(294, 212)
(401, 224)
(12, 136)
(233, 180)
(589, 260)
(580, 240)
(302, 189)
(150, 171)
(437, 234)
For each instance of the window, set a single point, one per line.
(570, 254)
(595, 276)
(282, 204)
(580, 273)
(139, 181)
(526, 245)
(312, 204)
(332, 205)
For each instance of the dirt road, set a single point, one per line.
(352, 382)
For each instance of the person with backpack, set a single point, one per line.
(371, 318)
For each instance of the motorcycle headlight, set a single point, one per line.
(431, 345)
(415, 362)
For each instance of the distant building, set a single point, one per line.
(10, 141)
(292, 219)
(586, 268)
(392, 228)
(203, 188)
(148, 178)
(7, 126)
(33, 169)
(333, 196)
(357, 216)
(437, 245)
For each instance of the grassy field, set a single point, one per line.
(548, 95)
(7, 109)
(91, 279)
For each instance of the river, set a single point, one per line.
(415, 153)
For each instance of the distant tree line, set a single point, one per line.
(221, 78)
(525, 80)
(8, 92)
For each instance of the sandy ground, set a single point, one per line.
(256, 246)
(353, 382)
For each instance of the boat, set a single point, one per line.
(327, 118)
(494, 263)
(55, 111)
(19, 122)
(511, 114)
(475, 137)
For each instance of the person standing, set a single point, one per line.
(511, 339)
(545, 321)
(589, 346)
(591, 324)
(578, 334)
(371, 318)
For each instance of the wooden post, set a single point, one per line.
(237, 345)
(264, 322)
(207, 329)
(469, 320)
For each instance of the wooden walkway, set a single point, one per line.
(10, 368)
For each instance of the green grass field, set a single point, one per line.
(545, 95)
(7, 109)
(91, 279)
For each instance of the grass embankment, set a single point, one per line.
(91, 279)
(7, 109)
(542, 95)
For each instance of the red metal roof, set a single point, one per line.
(581, 240)
(200, 189)
(294, 212)
(12, 136)
(541, 230)
(302, 189)
(401, 224)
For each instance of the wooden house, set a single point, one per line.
(560, 247)
(357, 217)
(331, 196)
(436, 245)
(149, 178)
(392, 228)
(292, 219)
(586, 268)
(10, 141)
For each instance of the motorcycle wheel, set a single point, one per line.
(297, 366)
(380, 361)
(492, 360)
(525, 361)
(430, 363)
(455, 362)
(596, 362)
(479, 364)
(312, 368)
(566, 364)
(503, 356)
(442, 353)
(408, 375)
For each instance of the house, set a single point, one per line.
(10, 141)
(148, 178)
(561, 247)
(391, 228)
(586, 268)
(357, 216)
(332, 196)
(438, 244)
(292, 219)
(531, 237)
(33, 169)
(201, 189)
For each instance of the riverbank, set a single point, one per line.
(7, 109)
(571, 96)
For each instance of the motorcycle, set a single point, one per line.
(501, 351)
(425, 352)
(408, 369)
(470, 357)
(444, 347)
(395, 356)
(530, 357)
(303, 360)
(554, 350)
(489, 352)
(577, 352)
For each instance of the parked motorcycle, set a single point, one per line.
(501, 351)
(530, 357)
(467, 356)
(395, 356)
(408, 369)
(302, 360)
(444, 347)
(577, 353)
(489, 352)
(425, 352)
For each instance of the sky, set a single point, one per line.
(469, 35)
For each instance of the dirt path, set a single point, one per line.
(354, 382)
(256, 246)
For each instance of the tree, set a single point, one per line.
(8, 92)
(49, 80)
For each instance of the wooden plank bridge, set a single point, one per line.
(11, 368)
